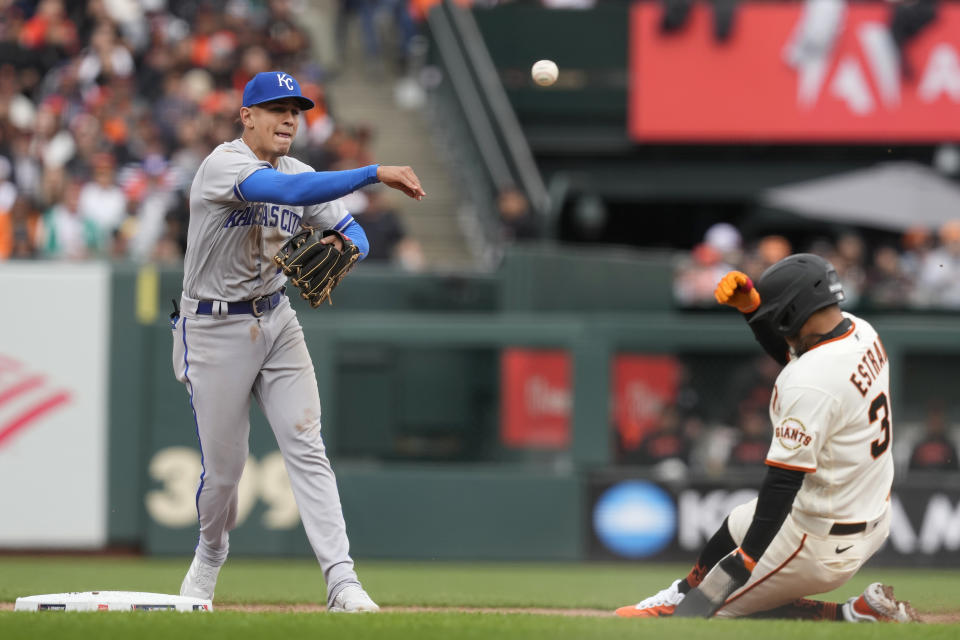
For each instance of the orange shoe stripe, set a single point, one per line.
(860, 606)
(631, 611)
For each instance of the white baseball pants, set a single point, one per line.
(803, 560)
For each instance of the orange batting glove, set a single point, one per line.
(736, 289)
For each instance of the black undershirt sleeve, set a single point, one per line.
(779, 488)
(771, 341)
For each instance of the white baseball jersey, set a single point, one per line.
(831, 417)
(231, 242)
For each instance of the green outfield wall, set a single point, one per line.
(408, 371)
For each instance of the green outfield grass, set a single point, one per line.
(432, 584)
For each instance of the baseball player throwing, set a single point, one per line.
(824, 506)
(236, 335)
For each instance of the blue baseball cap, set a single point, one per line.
(273, 85)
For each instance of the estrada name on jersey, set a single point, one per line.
(869, 368)
(831, 417)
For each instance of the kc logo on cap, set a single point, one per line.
(273, 85)
(285, 80)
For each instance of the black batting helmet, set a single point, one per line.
(792, 289)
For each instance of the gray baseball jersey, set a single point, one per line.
(231, 242)
(224, 354)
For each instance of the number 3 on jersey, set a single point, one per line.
(880, 403)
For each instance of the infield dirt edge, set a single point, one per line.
(950, 617)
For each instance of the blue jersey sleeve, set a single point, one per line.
(301, 189)
(355, 232)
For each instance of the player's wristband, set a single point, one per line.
(731, 573)
(357, 235)
(748, 562)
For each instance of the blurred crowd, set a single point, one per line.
(718, 422)
(420, 7)
(107, 107)
(921, 269)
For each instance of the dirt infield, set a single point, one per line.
(952, 617)
(931, 618)
(598, 613)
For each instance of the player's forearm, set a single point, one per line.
(301, 189)
(780, 487)
(356, 233)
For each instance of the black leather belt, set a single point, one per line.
(255, 307)
(847, 528)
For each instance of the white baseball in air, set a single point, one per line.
(544, 72)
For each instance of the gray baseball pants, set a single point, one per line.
(223, 360)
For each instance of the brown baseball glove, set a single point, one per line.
(316, 267)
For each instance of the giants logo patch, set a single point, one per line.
(792, 434)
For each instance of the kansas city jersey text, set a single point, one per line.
(264, 215)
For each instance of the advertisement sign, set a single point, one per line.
(53, 395)
(536, 396)
(642, 387)
(767, 83)
(634, 518)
